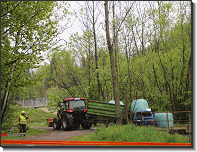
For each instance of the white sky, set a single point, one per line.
(76, 24)
(73, 26)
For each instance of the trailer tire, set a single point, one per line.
(67, 122)
(110, 123)
(56, 123)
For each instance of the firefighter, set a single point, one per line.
(22, 123)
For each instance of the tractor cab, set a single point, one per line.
(74, 104)
(71, 114)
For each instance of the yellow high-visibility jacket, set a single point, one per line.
(22, 119)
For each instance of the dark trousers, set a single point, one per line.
(22, 129)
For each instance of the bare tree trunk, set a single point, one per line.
(5, 98)
(96, 56)
(115, 39)
(4, 104)
(167, 84)
(113, 69)
(89, 64)
(128, 81)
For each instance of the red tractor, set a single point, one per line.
(71, 114)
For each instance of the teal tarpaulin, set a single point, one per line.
(161, 119)
(138, 105)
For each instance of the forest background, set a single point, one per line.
(150, 41)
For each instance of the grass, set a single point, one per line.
(100, 125)
(38, 124)
(179, 124)
(132, 133)
(30, 132)
(37, 118)
(78, 138)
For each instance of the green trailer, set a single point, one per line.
(102, 112)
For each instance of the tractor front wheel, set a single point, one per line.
(56, 123)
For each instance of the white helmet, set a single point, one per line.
(23, 111)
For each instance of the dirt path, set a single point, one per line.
(55, 135)
(60, 135)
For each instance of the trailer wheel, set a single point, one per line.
(110, 123)
(86, 126)
(56, 123)
(67, 122)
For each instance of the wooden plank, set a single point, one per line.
(105, 105)
(101, 113)
(102, 109)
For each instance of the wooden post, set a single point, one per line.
(189, 127)
(167, 120)
(130, 115)
(142, 118)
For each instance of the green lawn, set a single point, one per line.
(30, 132)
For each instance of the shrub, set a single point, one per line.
(14, 110)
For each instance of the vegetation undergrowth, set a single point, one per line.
(36, 118)
(132, 133)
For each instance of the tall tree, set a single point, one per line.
(113, 68)
(27, 30)
(96, 51)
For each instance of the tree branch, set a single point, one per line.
(12, 9)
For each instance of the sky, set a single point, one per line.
(74, 26)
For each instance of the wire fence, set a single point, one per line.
(31, 103)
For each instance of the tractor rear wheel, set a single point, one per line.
(77, 126)
(67, 122)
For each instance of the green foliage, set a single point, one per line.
(36, 115)
(54, 97)
(132, 133)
